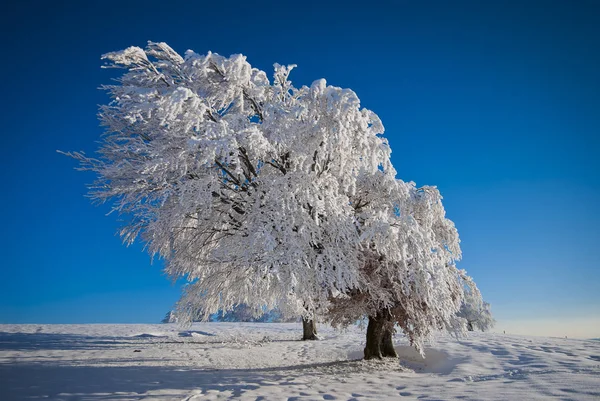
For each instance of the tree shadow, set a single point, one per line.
(52, 380)
(67, 342)
(33, 371)
(50, 341)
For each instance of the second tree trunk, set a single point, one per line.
(309, 329)
(387, 344)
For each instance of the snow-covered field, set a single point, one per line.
(249, 361)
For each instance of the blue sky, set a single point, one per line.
(496, 103)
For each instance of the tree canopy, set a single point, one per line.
(265, 194)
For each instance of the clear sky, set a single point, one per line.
(496, 103)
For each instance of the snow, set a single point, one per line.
(259, 361)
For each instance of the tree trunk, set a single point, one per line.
(309, 329)
(374, 337)
(379, 336)
(387, 345)
(470, 326)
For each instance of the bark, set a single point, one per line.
(387, 345)
(379, 336)
(470, 326)
(309, 329)
(374, 337)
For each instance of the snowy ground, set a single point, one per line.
(246, 361)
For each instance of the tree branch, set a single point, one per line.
(229, 173)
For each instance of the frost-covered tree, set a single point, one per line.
(264, 194)
(476, 312)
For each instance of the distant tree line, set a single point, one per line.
(240, 313)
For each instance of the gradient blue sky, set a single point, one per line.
(496, 103)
